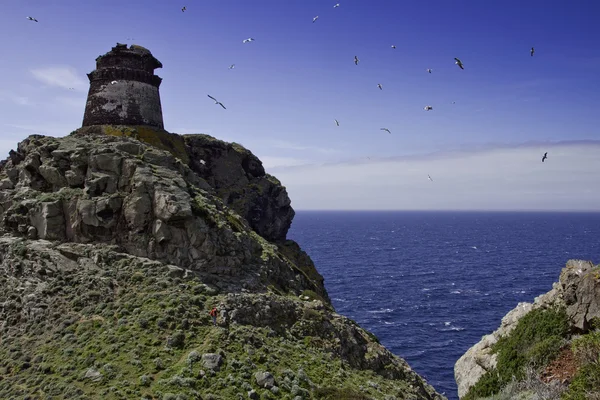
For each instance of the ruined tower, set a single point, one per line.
(124, 89)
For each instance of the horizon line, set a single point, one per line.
(555, 211)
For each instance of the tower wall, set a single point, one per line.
(134, 99)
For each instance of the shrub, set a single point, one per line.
(587, 348)
(534, 341)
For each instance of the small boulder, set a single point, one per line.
(212, 361)
(265, 379)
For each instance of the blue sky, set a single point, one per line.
(290, 84)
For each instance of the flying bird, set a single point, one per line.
(114, 82)
(183, 9)
(356, 60)
(217, 101)
(429, 176)
(232, 66)
(545, 156)
(248, 40)
(393, 46)
(337, 5)
(71, 88)
(32, 19)
(459, 63)
(429, 70)
(315, 18)
(386, 129)
(379, 86)
(532, 51)
(427, 108)
(337, 122)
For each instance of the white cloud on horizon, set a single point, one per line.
(62, 76)
(282, 144)
(504, 178)
(274, 162)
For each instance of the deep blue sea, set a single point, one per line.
(431, 284)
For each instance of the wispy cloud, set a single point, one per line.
(501, 178)
(57, 130)
(62, 76)
(282, 144)
(15, 98)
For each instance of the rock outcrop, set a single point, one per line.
(578, 290)
(114, 250)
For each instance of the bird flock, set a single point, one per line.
(457, 61)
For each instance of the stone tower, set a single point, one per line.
(124, 89)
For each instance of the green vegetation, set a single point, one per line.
(133, 330)
(535, 341)
(587, 352)
(160, 138)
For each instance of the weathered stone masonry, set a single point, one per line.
(134, 99)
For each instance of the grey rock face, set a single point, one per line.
(580, 282)
(119, 191)
(241, 182)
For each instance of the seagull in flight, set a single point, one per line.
(393, 46)
(114, 82)
(337, 5)
(427, 108)
(386, 129)
(337, 122)
(532, 51)
(545, 156)
(379, 86)
(71, 88)
(217, 101)
(315, 18)
(32, 19)
(459, 63)
(356, 60)
(183, 9)
(248, 40)
(429, 70)
(429, 176)
(232, 66)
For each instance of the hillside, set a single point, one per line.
(117, 241)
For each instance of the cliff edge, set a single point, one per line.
(117, 241)
(548, 349)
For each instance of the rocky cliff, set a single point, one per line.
(542, 350)
(117, 241)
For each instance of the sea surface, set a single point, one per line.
(431, 284)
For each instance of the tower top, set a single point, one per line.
(135, 57)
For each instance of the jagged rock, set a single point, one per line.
(240, 180)
(580, 281)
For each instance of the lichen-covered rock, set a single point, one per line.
(580, 283)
